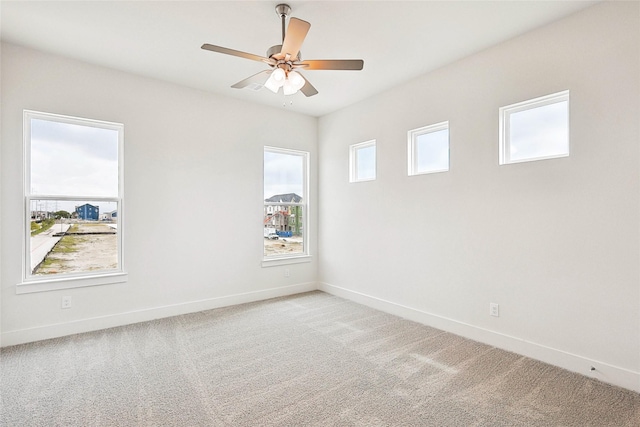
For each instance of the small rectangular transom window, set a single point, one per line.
(536, 129)
(428, 149)
(362, 161)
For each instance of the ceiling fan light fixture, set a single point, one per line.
(296, 80)
(279, 75)
(276, 80)
(293, 83)
(288, 88)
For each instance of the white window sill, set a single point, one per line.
(272, 262)
(532, 159)
(428, 172)
(28, 287)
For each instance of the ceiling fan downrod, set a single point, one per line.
(283, 10)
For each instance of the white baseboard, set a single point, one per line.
(605, 372)
(103, 322)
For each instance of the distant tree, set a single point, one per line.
(62, 214)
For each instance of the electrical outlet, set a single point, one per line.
(286, 272)
(494, 309)
(66, 302)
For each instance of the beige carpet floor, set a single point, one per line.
(306, 360)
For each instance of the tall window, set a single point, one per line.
(285, 203)
(73, 197)
(535, 129)
(428, 149)
(362, 161)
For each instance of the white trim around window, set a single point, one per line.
(280, 179)
(362, 161)
(70, 151)
(536, 129)
(428, 149)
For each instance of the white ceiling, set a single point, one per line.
(398, 40)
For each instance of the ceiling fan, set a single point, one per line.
(285, 59)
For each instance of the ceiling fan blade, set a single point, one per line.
(308, 89)
(257, 80)
(331, 64)
(238, 53)
(296, 32)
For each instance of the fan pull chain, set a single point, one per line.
(284, 102)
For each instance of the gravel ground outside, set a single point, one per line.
(283, 246)
(76, 253)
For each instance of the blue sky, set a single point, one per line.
(366, 162)
(539, 132)
(432, 151)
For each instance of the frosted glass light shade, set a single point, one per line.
(288, 88)
(293, 83)
(276, 80)
(296, 80)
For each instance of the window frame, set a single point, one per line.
(33, 283)
(412, 151)
(505, 126)
(305, 256)
(353, 160)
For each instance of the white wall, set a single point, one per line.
(555, 242)
(193, 195)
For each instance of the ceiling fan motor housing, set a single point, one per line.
(274, 50)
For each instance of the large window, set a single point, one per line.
(73, 199)
(535, 129)
(285, 204)
(428, 149)
(362, 161)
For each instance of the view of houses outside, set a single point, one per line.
(76, 241)
(284, 204)
(283, 225)
(73, 194)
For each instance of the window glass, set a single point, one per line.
(429, 149)
(69, 159)
(535, 129)
(362, 162)
(73, 192)
(539, 132)
(285, 204)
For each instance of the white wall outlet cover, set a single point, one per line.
(494, 309)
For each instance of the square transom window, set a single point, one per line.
(362, 161)
(428, 149)
(536, 129)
